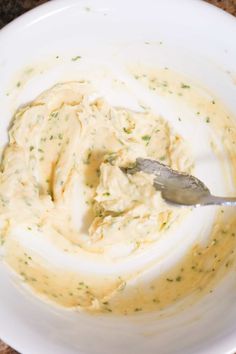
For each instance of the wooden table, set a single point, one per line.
(10, 9)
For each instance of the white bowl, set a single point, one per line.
(198, 40)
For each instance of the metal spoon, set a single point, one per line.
(176, 187)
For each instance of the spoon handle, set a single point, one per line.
(213, 200)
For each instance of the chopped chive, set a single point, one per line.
(137, 309)
(127, 131)
(87, 161)
(76, 58)
(107, 194)
(54, 114)
(146, 137)
(184, 86)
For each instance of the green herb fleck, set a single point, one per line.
(87, 161)
(184, 86)
(165, 84)
(146, 137)
(76, 58)
(155, 301)
(179, 278)
(127, 130)
(110, 158)
(137, 309)
(107, 194)
(54, 114)
(168, 279)
(207, 120)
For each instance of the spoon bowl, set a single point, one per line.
(177, 187)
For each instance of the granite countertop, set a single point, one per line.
(10, 9)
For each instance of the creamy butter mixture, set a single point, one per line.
(73, 223)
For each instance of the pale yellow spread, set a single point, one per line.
(61, 186)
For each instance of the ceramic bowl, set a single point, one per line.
(35, 52)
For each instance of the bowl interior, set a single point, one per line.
(36, 51)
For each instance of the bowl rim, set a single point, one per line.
(54, 6)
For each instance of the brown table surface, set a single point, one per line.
(10, 9)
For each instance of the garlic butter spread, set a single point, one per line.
(77, 229)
